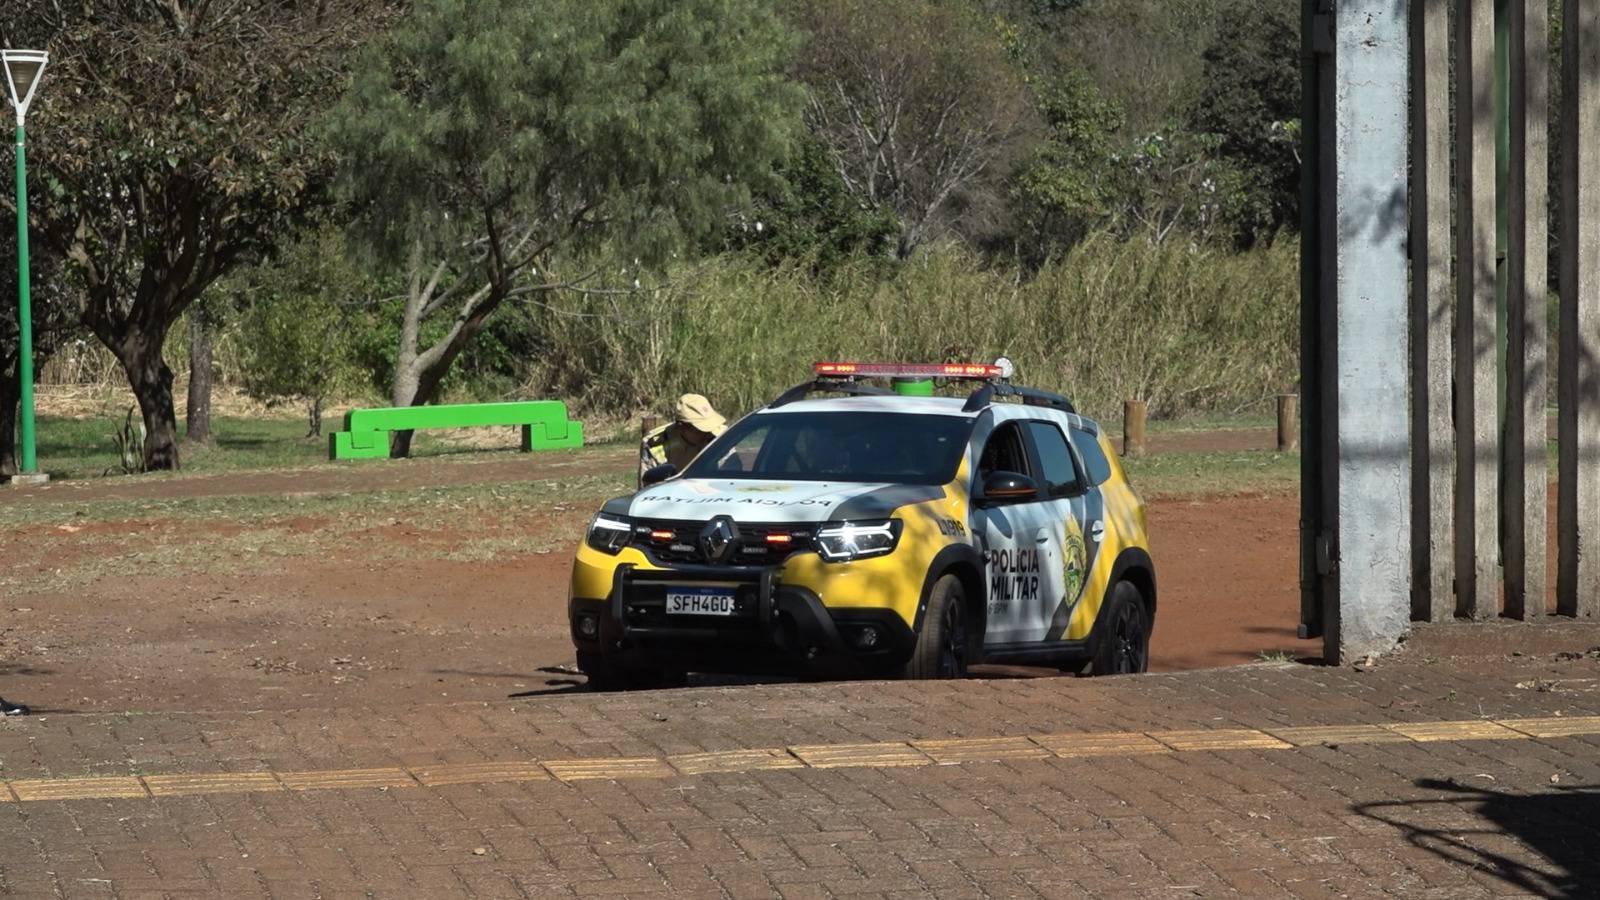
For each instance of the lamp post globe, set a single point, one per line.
(24, 69)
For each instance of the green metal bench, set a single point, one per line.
(366, 432)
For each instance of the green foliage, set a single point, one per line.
(297, 328)
(173, 142)
(1185, 328)
(810, 215)
(1252, 104)
(129, 441)
(1063, 190)
(562, 124)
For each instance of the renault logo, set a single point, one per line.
(717, 539)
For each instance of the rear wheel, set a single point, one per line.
(943, 648)
(1122, 646)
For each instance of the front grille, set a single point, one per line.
(679, 542)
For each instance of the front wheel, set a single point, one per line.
(1122, 646)
(605, 676)
(943, 646)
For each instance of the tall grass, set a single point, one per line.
(1185, 329)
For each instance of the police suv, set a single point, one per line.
(853, 529)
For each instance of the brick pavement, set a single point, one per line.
(1447, 805)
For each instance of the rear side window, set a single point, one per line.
(1060, 472)
(1094, 458)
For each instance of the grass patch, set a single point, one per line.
(422, 507)
(79, 448)
(1177, 475)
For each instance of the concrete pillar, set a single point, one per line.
(1477, 379)
(1363, 537)
(1578, 426)
(1433, 464)
(1526, 457)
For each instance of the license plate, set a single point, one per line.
(700, 602)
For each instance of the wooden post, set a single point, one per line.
(1527, 466)
(1477, 380)
(1433, 465)
(1578, 423)
(1133, 418)
(1288, 423)
(647, 425)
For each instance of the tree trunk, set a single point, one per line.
(10, 398)
(404, 394)
(201, 335)
(151, 380)
(314, 418)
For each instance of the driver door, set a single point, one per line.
(1020, 543)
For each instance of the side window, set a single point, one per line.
(1094, 458)
(1060, 469)
(741, 457)
(1004, 453)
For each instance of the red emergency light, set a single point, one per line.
(907, 370)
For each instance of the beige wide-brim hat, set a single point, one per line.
(697, 412)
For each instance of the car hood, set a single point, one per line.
(703, 499)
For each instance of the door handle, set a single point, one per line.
(1042, 539)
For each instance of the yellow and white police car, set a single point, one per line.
(851, 529)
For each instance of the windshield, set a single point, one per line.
(838, 446)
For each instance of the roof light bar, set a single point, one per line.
(907, 370)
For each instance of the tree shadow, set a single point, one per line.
(1562, 826)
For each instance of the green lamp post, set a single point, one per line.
(23, 70)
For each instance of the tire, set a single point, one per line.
(1122, 646)
(604, 676)
(945, 643)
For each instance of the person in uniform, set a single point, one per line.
(695, 424)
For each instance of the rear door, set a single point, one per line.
(1077, 518)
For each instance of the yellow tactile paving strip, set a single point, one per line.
(889, 754)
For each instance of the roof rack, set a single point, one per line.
(985, 395)
(829, 386)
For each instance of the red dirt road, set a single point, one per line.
(307, 612)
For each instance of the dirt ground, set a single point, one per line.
(170, 610)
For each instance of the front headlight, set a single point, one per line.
(609, 534)
(853, 540)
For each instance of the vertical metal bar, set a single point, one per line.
(1373, 552)
(1312, 48)
(1527, 297)
(1477, 426)
(1432, 317)
(29, 464)
(1578, 506)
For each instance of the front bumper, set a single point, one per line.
(776, 628)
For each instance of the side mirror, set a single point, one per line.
(658, 474)
(1008, 487)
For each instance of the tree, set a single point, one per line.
(172, 141)
(537, 132)
(809, 215)
(920, 102)
(53, 321)
(1064, 188)
(1252, 105)
(299, 317)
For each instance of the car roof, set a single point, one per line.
(915, 406)
(927, 406)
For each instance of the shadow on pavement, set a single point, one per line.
(1481, 828)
